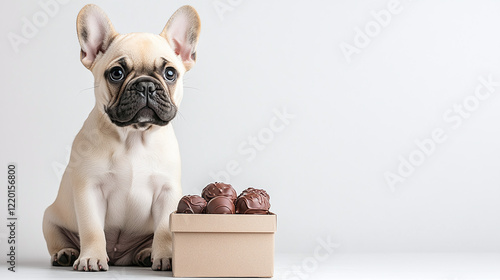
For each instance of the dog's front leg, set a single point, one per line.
(90, 209)
(164, 204)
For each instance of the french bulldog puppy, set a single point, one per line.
(124, 174)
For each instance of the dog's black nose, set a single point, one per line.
(146, 88)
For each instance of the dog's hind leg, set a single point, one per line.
(63, 245)
(142, 254)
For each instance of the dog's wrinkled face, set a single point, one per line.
(143, 85)
(138, 76)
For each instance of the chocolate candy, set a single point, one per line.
(250, 190)
(252, 203)
(218, 189)
(220, 205)
(191, 204)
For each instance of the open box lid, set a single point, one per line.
(248, 223)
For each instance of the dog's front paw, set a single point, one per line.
(65, 257)
(161, 263)
(84, 263)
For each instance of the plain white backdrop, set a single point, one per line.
(359, 88)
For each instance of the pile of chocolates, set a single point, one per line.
(220, 198)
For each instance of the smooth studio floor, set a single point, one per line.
(336, 266)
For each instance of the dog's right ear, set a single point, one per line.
(95, 33)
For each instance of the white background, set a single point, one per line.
(354, 116)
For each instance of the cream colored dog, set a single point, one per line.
(124, 175)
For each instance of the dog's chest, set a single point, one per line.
(130, 184)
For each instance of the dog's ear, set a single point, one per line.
(95, 33)
(182, 31)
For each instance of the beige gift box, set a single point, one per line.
(223, 245)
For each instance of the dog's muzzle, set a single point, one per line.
(143, 102)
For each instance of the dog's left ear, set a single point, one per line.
(182, 31)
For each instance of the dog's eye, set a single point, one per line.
(170, 74)
(116, 74)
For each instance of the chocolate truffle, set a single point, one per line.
(218, 189)
(220, 205)
(191, 204)
(250, 190)
(252, 203)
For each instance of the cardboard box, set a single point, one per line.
(223, 245)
